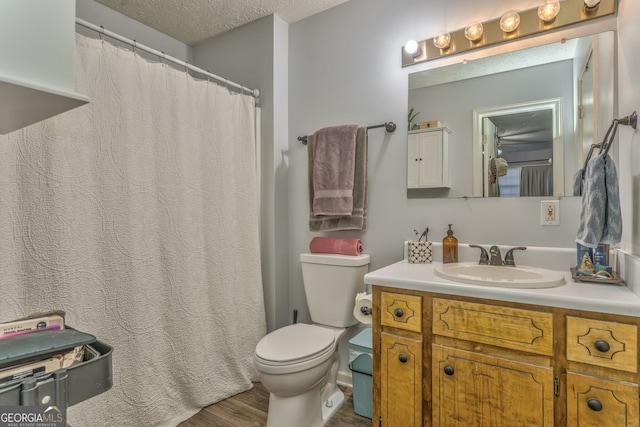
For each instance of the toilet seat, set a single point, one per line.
(295, 347)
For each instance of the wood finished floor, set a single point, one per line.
(249, 409)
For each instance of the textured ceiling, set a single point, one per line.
(193, 21)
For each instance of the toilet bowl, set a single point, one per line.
(298, 364)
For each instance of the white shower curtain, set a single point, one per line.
(137, 215)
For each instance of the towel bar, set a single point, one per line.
(388, 126)
(630, 120)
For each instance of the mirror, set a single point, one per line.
(519, 120)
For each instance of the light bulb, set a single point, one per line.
(473, 31)
(548, 11)
(442, 40)
(412, 48)
(509, 21)
(591, 4)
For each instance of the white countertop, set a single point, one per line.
(605, 298)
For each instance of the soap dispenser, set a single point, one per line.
(449, 247)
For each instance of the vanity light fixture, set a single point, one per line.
(513, 25)
(549, 10)
(442, 40)
(591, 4)
(473, 31)
(510, 21)
(412, 48)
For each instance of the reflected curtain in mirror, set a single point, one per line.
(536, 180)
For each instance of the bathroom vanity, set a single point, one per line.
(454, 354)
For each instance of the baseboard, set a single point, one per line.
(344, 379)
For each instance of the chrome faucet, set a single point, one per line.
(496, 256)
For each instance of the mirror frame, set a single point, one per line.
(480, 163)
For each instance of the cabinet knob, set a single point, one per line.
(398, 312)
(594, 405)
(602, 345)
(403, 358)
(449, 370)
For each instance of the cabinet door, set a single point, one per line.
(598, 402)
(427, 159)
(414, 159)
(400, 381)
(431, 166)
(471, 389)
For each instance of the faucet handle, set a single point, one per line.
(508, 258)
(484, 255)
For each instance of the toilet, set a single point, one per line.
(299, 363)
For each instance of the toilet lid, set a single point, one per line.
(295, 343)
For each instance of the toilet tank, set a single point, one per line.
(331, 283)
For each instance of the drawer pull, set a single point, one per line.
(602, 345)
(449, 370)
(398, 312)
(403, 358)
(594, 405)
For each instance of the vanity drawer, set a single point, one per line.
(512, 328)
(401, 311)
(601, 343)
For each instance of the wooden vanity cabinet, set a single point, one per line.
(500, 364)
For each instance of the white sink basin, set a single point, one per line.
(504, 276)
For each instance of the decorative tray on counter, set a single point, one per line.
(595, 279)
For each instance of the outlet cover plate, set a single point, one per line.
(550, 212)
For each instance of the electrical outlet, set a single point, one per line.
(550, 212)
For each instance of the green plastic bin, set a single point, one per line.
(360, 352)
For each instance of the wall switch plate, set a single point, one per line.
(550, 212)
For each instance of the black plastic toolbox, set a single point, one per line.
(64, 387)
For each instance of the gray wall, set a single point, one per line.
(345, 68)
(628, 144)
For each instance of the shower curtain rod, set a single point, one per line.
(101, 30)
(388, 126)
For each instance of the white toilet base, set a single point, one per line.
(303, 410)
(332, 405)
(312, 408)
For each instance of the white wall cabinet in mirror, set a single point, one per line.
(578, 72)
(428, 158)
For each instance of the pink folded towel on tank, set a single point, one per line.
(334, 245)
